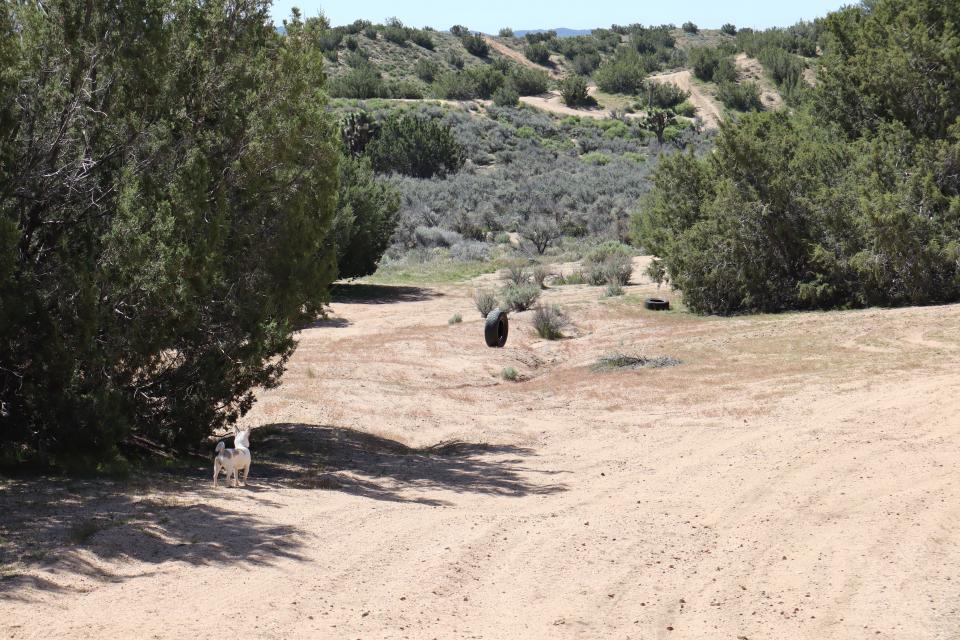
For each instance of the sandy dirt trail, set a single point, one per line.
(794, 477)
(519, 58)
(751, 70)
(707, 108)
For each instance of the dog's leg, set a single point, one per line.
(246, 474)
(216, 471)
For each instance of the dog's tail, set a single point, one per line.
(220, 447)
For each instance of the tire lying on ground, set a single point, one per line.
(656, 304)
(496, 328)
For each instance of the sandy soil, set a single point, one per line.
(519, 58)
(794, 477)
(553, 102)
(707, 108)
(750, 69)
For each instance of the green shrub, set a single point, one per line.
(596, 157)
(742, 97)
(516, 274)
(728, 29)
(422, 38)
(614, 290)
(455, 319)
(690, 27)
(704, 61)
(476, 45)
(788, 213)
(459, 30)
(427, 69)
(454, 59)
(575, 93)
(506, 32)
(623, 73)
(178, 178)
(404, 88)
(365, 219)
(455, 85)
(616, 131)
(611, 262)
(726, 71)
(485, 301)
(529, 82)
(540, 36)
(509, 373)
(415, 146)
(664, 94)
(394, 31)
(537, 53)
(585, 64)
(520, 297)
(549, 321)
(362, 83)
(486, 80)
(685, 109)
(576, 277)
(506, 97)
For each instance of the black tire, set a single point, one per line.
(656, 304)
(496, 328)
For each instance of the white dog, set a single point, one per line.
(233, 461)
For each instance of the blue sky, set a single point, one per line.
(490, 15)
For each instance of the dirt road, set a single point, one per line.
(751, 70)
(707, 108)
(794, 477)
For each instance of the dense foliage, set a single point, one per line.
(168, 175)
(622, 73)
(853, 201)
(575, 92)
(417, 147)
(365, 220)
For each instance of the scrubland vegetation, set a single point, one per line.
(174, 209)
(851, 200)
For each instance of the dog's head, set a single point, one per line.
(242, 439)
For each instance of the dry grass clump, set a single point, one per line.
(623, 361)
(485, 301)
(610, 263)
(520, 297)
(517, 275)
(550, 321)
(539, 275)
(576, 277)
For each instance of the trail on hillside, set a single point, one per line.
(751, 70)
(708, 110)
(518, 57)
(794, 477)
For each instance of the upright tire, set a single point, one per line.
(656, 304)
(496, 328)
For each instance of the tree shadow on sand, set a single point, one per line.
(372, 466)
(51, 527)
(358, 293)
(70, 526)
